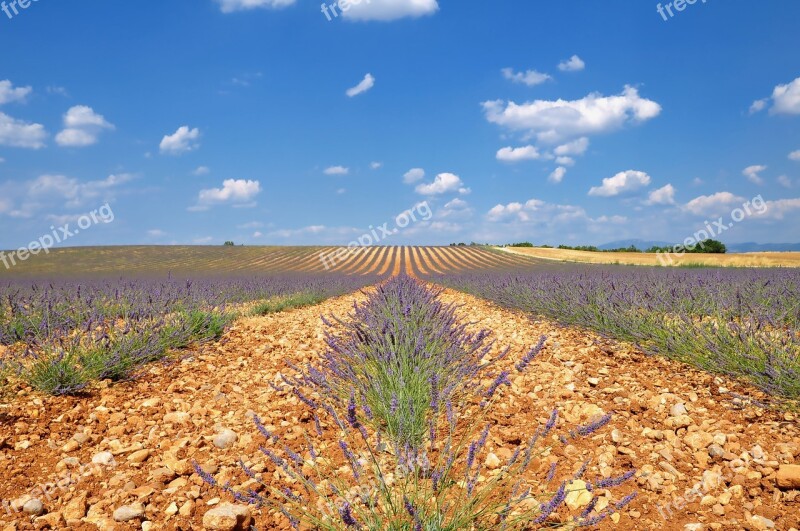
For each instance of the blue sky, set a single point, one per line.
(263, 122)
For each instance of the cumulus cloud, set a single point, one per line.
(785, 181)
(573, 64)
(518, 154)
(367, 83)
(50, 189)
(709, 205)
(413, 175)
(785, 99)
(201, 170)
(535, 211)
(386, 10)
(554, 121)
(778, 209)
(82, 127)
(442, 184)
(663, 196)
(181, 141)
(530, 78)
(576, 147)
(375, 165)
(795, 155)
(752, 173)
(18, 133)
(9, 93)
(621, 183)
(558, 175)
(758, 105)
(237, 192)
(336, 170)
(231, 6)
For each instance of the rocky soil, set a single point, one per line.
(120, 457)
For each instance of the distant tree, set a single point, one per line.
(521, 244)
(710, 246)
(229, 244)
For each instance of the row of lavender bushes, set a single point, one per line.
(397, 422)
(66, 334)
(743, 323)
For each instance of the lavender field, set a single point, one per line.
(743, 323)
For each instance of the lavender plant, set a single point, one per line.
(743, 323)
(351, 472)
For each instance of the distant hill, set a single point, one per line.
(751, 247)
(747, 247)
(639, 244)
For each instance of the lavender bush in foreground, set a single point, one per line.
(350, 473)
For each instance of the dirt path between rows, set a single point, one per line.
(677, 426)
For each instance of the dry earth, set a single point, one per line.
(651, 259)
(679, 427)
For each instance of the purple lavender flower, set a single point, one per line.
(205, 476)
(346, 512)
(592, 427)
(529, 357)
(548, 508)
(551, 423)
(625, 501)
(615, 482)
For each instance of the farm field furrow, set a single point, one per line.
(207, 393)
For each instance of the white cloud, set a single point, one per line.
(70, 191)
(183, 140)
(201, 170)
(233, 191)
(156, 233)
(576, 147)
(573, 64)
(17, 133)
(786, 98)
(778, 209)
(231, 6)
(623, 182)
(385, 10)
(558, 175)
(535, 211)
(529, 77)
(257, 234)
(413, 175)
(553, 121)
(442, 184)
(61, 91)
(565, 161)
(512, 154)
(367, 83)
(795, 155)
(752, 173)
(10, 93)
(336, 170)
(708, 205)
(250, 225)
(785, 181)
(82, 126)
(758, 106)
(663, 196)
(375, 165)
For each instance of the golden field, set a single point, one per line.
(651, 259)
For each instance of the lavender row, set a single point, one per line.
(744, 323)
(64, 334)
(398, 426)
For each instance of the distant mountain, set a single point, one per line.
(639, 244)
(747, 247)
(751, 247)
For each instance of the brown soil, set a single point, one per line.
(220, 385)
